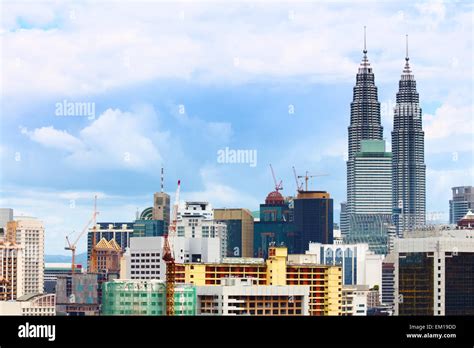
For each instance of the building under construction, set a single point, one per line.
(325, 282)
(145, 297)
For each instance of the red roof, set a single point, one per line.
(274, 197)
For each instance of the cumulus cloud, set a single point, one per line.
(92, 48)
(450, 129)
(116, 139)
(218, 193)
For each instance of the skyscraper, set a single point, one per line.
(408, 165)
(462, 202)
(364, 125)
(313, 219)
(371, 214)
(28, 234)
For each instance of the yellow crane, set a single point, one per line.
(306, 178)
(72, 246)
(168, 256)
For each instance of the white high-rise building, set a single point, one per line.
(196, 220)
(143, 260)
(360, 266)
(28, 234)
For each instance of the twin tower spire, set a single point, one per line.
(408, 168)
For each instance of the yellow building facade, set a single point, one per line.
(325, 282)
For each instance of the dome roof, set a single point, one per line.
(274, 197)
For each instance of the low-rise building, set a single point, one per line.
(145, 297)
(360, 265)
(30, 305)
(242, 296)
(324, 281)
(354, 300)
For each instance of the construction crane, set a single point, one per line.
(168, 256)
(306, 178)
(299, 186)
(278, 186)
(72, 246)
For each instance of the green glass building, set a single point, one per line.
(140, 297)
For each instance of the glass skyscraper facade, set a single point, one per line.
(371, 215)
(408, 164)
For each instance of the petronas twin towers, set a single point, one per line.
(384, 189)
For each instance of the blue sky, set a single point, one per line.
(174, 83)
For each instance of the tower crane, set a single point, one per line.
(299, 186)
(168, 256)
(307, 176)
(278, 186)
(72, 246)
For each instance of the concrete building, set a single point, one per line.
(434, 272)
(161, 208)
(196, 220)
(118, 231)
(360, 265)
(145, 297)
(324, 281)
(28, 233)
(30, 305)
(461, 203)
(313, 219)
(77, 295)
(242, 296)
(240, 231)
(354, 300)
(54, 269)
(11, 268)
(144, 260)
(371, 196)
(6, 214)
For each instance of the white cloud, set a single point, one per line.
(450, 129)
(115, 139)
(440, 182)
(53, 138)
(103, 47)
(63, 217)
(219, 194)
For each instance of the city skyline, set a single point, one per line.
(179, 112)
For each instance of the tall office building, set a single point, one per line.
(196, 220)
(240, 231)
(313, 219)
(364, 125)
(275, 226)
(434, 272)
(161, 208)
(408, 164)
(10, 270)
(462, 202)
(28, 233)
(371, 188)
